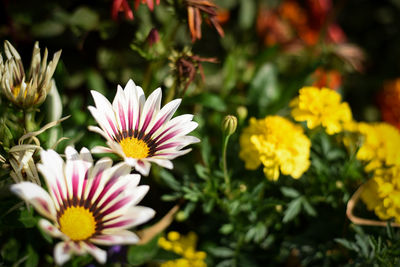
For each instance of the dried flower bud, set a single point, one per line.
(229, 125)
(23, 90)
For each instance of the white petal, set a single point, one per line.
(62, 252)
(150, 109)
(163, 116)
(143, 167)
(52, 168)
(101, 150)
(130, 218)
(99, 254)
(50, 229)
(36, 196)
(119, 237)
(162, 162)
(99, 131)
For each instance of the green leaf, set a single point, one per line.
(264, 88)
(85, 18)
(95, 81)
(209, 100)
(247, 14)
(289, 192)
(170, 180)
(293, 210)
(308, 208)
(226, 229)
(347, 244)
(48, 29)
(27, 219)
(10, 249)
(222, 252)
(139, 254)
(32, 259)
(230, 73)
(201, 171)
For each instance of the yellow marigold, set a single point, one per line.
(184, 246)
(380, 144)
(278, 144)
(321, 107)
(382, 193)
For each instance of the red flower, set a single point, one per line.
(123, 6)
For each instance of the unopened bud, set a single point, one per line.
(153, 37)
(229, 125)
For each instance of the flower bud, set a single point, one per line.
(229, 125)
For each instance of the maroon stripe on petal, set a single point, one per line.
(112, 196)
(167, 137)
(122, 116)
(119, 224)
(75, 182)
(158, 124)
(93, 188)
(116, 206)
(169, 145)
(130, 115)
(110, 122)
(60, 191)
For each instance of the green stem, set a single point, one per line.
(225, 167)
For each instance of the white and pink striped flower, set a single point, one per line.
(86, 204)
(139, 131)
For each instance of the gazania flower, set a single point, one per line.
(86, 204)
(139, 131)
(30, 90)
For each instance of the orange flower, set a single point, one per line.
(389, 102)
(123, 6)
(194, 7)
(327, 78)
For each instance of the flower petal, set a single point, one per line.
(62, 252)
(36, 196)
(50, 229)
(120, 237)
(99, 254)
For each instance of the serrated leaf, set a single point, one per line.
(347, 244)
(170, 180)
(222, 252)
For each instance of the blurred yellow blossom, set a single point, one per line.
(321, 107)
(184, 246)
(278, 144)
(382, 193)
(380, 144)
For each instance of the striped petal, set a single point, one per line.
(37, 196)
(62, 252)
(121, 236)
(130, 218)
(99, 254)
(50, 229)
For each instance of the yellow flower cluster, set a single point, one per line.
(184, 246)
(380, 150)
(382, 193)
(381, 145)
(278, 144)
(321, 107)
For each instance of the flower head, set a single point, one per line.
(194, 9)
(382, 193)
(123, 5)
(184, 246)
(139, 131)
(86, 204)
(380, 145)
(389, 101)
(30, 90)
(321, 107)
(278, 144)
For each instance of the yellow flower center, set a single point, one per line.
(16, 90)
(77, 223)
(134, 148)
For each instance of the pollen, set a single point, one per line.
(77, 223)
(134, 148)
